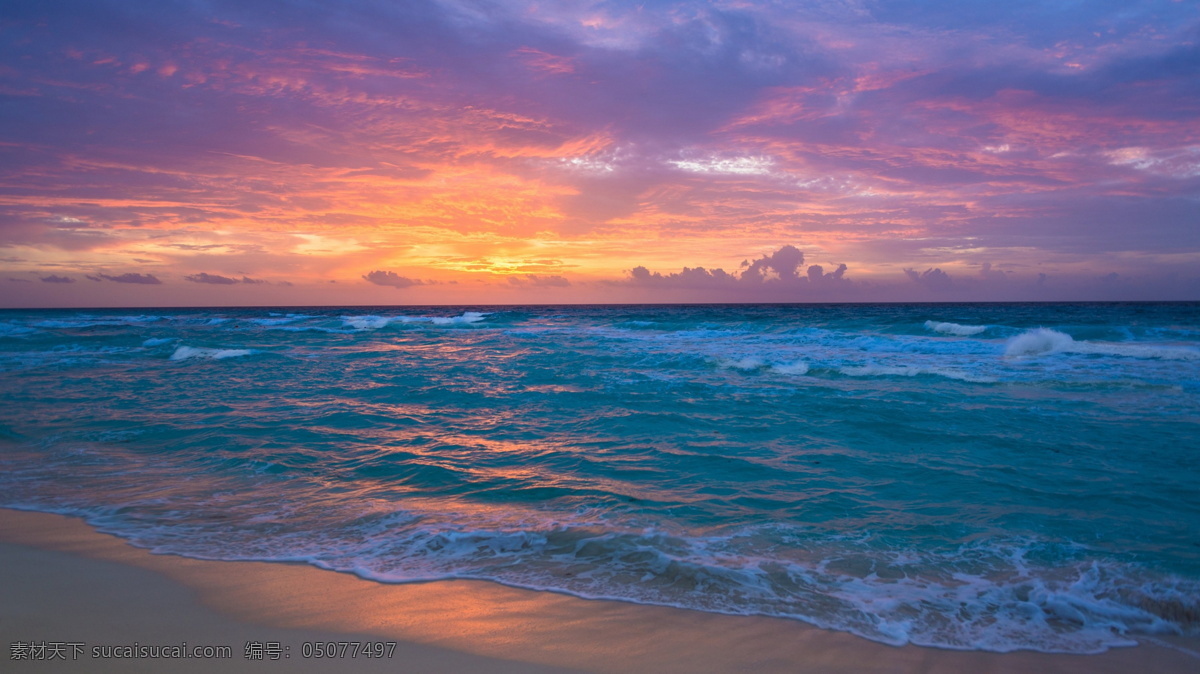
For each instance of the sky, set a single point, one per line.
(212, 153)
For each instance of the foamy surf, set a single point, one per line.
(377, 322)
(998, 595)
(872, 370)
(1042, 341)
(185, 352)
(955, 328)
(798, 367)
(747, 364)
(755, 363)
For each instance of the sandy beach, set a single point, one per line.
(67, 583)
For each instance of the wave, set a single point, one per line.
(797, 368)
(377, 322)
(752, 363)
(910, 371)
(366, 322)
(747, 363)
(998, 595)
(989, 596)
(185, 352)
(74, 324)
(276, 319)
(12, 330)
(955, 328)
(158, 341)
(94, 321)
(1043, 341)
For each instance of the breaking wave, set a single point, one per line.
(185, 352)
(955, 328)
(1042, 341)
(377, 322)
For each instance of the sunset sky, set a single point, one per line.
(452, 151)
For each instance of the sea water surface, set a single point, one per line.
(995, 477)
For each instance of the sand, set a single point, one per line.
(65, 582)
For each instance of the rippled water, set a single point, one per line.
(990, 477)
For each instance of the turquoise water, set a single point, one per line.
(995, 477)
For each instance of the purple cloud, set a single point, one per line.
(933, 279)
(547, 281)
(131, 277)
(783, 265)
(777, 276)
(57, 279)
(391, 278)
(689, 277)
(212, 279)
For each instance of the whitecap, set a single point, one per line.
(377, 322)
(1042, 341)
(466, 317)
(157, 341)
(872, 370)
(797, 368)
(366, 322)
(185, 352)
(1037, 342)
(747, 363)
(955, 328)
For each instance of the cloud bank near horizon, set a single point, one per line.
(779, 276)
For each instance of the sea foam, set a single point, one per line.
(185, 352)
(747, 363)
(753, 363)
(796, 368)
(996, 595)
(1042, 341)
(874, 370)
(377, 322)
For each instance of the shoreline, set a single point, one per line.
(66, 582)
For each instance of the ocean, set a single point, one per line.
(967, 476)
